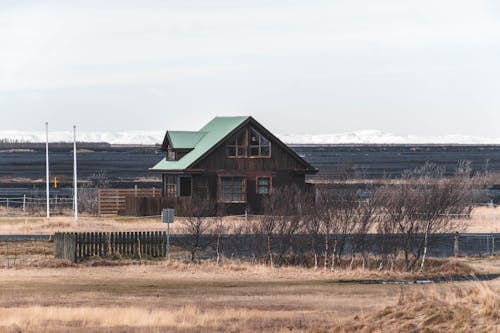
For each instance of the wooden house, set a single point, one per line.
(233, 161)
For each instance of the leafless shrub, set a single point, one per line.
(286, 209)
(425, 203)
(337, 215)
(87, 200)
(219, 228)
(195, 223)
(365, 216)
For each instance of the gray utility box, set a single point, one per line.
(167, 215)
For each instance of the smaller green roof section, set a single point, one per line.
(185, 139)
(201, 142)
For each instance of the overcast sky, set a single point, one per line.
(403, 66)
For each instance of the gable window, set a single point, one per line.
(232, 189)
(263, 185)
(171, 155)
(248, 143)
(237, 145)
(259, 145)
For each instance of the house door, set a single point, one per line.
(185, 186)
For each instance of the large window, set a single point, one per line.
(232, 189)
(248, 143)
(259, 145)
(237, 145)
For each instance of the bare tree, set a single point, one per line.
(425, 203)
(444, 201)
(325, 210)
(219, 228)
(266, 225)
(366, 216)
(313, 227)
(195, 223)
(285, 210)
(345, 207)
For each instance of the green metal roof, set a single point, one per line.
(207, 137)
(184, 139)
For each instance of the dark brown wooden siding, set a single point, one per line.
(284, 167)
(280, 159)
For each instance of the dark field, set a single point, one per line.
(120, 166)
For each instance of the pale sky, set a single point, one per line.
(420, 67)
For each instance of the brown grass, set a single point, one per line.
(13, 221)
(26, 254)
(178, 297)
(54, 296)
(454, 308)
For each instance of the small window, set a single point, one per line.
(232, 189)
(200, 188)
(264, 185)
(170, 155)
(259, 145)
(170, 186)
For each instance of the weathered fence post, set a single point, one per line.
(455, 245)
(72, 248)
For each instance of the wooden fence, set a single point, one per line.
(76, 246)
(147, 206)
(112, 201)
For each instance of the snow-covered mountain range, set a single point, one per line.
(156, 136)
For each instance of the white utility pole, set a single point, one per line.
(75, 179)
(47, 166)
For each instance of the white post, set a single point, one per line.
(75, 179)
(47, 166)
(24, 202)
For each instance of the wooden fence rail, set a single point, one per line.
(76, 246)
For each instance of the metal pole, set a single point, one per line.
(75, 196)
(47, 166)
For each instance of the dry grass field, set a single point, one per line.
(190, 299)
(40, 293)
(464, 308)
(483, 220)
